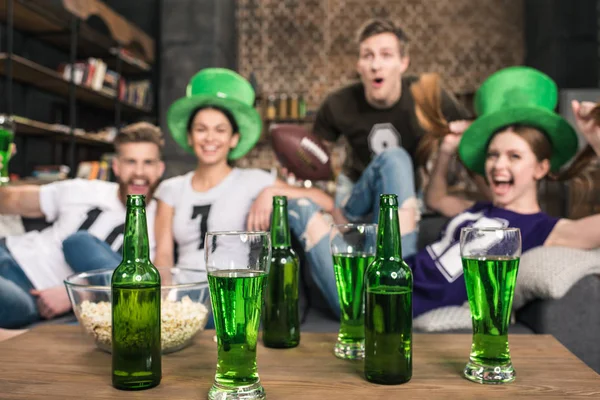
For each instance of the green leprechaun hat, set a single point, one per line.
(517, 95)
(222, 88)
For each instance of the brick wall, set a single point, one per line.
(309, 45)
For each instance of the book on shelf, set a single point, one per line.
(95, 74)
(88, 73)
(139, 93)
(51, 173)
(107, 159)
(101, 170)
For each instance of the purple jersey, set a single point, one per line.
(437, 269)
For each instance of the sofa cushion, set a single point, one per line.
(319, 321)
(549, 272)
(444, 319)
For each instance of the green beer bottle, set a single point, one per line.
(388, 312)
(136, 348)
(7, 135)
(281, 319)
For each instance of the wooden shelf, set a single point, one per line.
(33, 181)
(29, 127)
(26, 126)
(85, 140)
(47, 79)
(51, 25)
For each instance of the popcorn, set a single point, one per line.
(180, 321)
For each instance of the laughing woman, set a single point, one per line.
(216, 122)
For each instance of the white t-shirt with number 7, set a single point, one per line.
(225, 207)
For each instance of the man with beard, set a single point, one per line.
(377, 118)
(32, 265)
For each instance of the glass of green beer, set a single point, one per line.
(237, 264)
(490, 258)
(7, 134)
(353, 249)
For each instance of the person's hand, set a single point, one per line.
(290, 178)
(52, 302)
(13, 151)
(338, 216)
(259, 217)
(166, 276)
(452, 139)
(450, 143)
(586, 123)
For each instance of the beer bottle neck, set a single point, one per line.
(280, 230)
(135, 242)
(389, 245)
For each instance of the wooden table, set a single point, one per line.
(57, 362)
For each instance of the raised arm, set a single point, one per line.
(436, 192)
(21, 200)
(587, 119)
(163, 231)
(482, 185)
(324, 200)
(583, 233)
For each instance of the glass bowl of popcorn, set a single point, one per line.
(185, 306)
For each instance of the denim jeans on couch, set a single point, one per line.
(391, 172)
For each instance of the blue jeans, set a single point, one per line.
(391, 172)
(85, 252)
(17, 306)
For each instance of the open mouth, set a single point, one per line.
(501, 186)
(209, 149)
(138, 186)
(377, 82)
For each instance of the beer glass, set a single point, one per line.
(353, 249)
(490, 258)
(7, 134)
(237, 264)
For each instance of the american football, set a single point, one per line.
(300, 152)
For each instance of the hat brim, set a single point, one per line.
(563, 138)
(246, 117)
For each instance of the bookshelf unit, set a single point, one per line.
(47, 79)
(123, 47)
